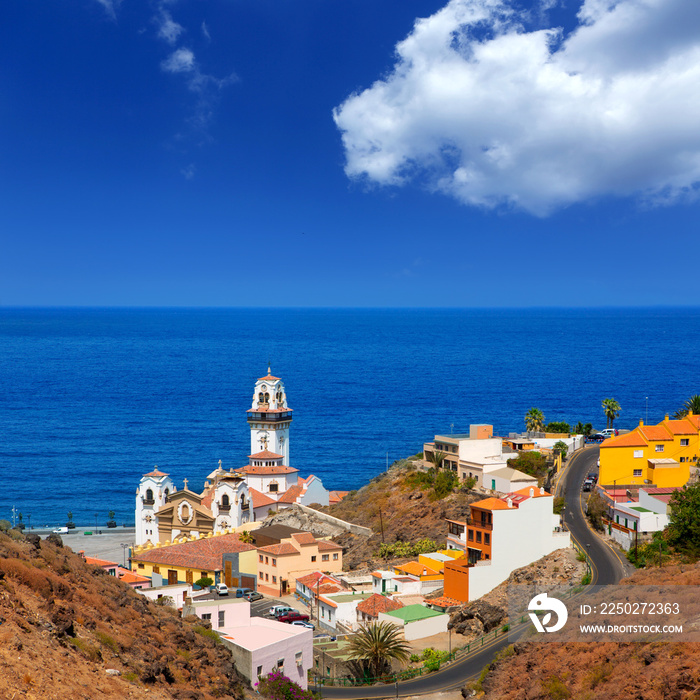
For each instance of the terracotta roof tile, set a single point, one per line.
(277, 549)
(325, 546)
(655, 432)
(416, 569)
(131, 577)
(376, 604)
(328, 602)
(260, 499)
(265, 454)
(157, 473)
(204, 554)
(268, 378)
(330, 587)
(337, 496)
(291, 494)
(303, 538)
(310, 579)
(632, 439)
(100, 562)
(682, 427)
(268, 471)
(491, 504)
(445, 602)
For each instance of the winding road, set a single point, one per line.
(607, 568)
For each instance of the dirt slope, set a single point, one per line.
(70, 631)
(587, 671)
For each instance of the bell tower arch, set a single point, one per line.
(270, 417)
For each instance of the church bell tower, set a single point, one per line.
(269, 418)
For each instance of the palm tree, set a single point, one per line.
(612, 410)
(437, 458)
(376, 643)
(692, 404)
(534, 420)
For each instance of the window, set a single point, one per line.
(638, 454)
(478, 536)
(637, 472)
(260, 575)
(280, 663)
(471, 535)
(259, 671)
(487, 538)
(156, 569)
(273, 487)
(267, 560)
(267, 577)
(659, 448)
(685, 442)
(335, 557)
(274, 562)
(313, 558)
(260, 558)
(274, 579)
(140, 566)
(224, 501)
(149, 494)
(222, 614)
(324, 557)
(202, 574)
(206, 616)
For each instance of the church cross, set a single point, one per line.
(185, 484)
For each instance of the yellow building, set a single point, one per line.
(223, 558)
(659, 455)
(300, 554)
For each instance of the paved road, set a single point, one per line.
(607, 564)
(607, 568)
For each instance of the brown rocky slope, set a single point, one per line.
(70, 631)
(535, 670)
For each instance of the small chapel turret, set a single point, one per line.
(270, 417)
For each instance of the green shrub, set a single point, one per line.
(407, 549)
(205, 581)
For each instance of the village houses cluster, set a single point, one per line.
(183, 536)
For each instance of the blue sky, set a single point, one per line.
(349, 152)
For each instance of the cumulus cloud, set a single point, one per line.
(180, 61)
(168, 29)
(484, 108)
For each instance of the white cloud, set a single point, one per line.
(168, 29)
(111, 7)
(491, 113)
(205, 31)
(180, 61)
(188, 172)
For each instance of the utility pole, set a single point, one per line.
(381, 523)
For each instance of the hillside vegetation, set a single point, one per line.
(68, 630)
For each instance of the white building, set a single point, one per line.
(258, 646)
(232, 498)
(501, 535)
(472, 455)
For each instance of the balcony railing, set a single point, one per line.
(224, 508)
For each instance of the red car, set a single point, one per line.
(293, 617)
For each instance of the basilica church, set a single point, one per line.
(235, 497)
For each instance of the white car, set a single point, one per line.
(221, 589)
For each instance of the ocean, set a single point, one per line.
(91, 399)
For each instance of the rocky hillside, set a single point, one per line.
(70, 631)
(398, 505)
(635, 671)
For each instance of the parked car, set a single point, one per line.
(592, 477)
(61, 531)
(240, 592)
(293, 617)
(291, 611)
(221, 589)
(278, 610)
(587, 485)
(302, 623)
(250, 596)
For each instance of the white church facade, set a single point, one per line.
(235, 497)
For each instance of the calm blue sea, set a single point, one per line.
(91, 399)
